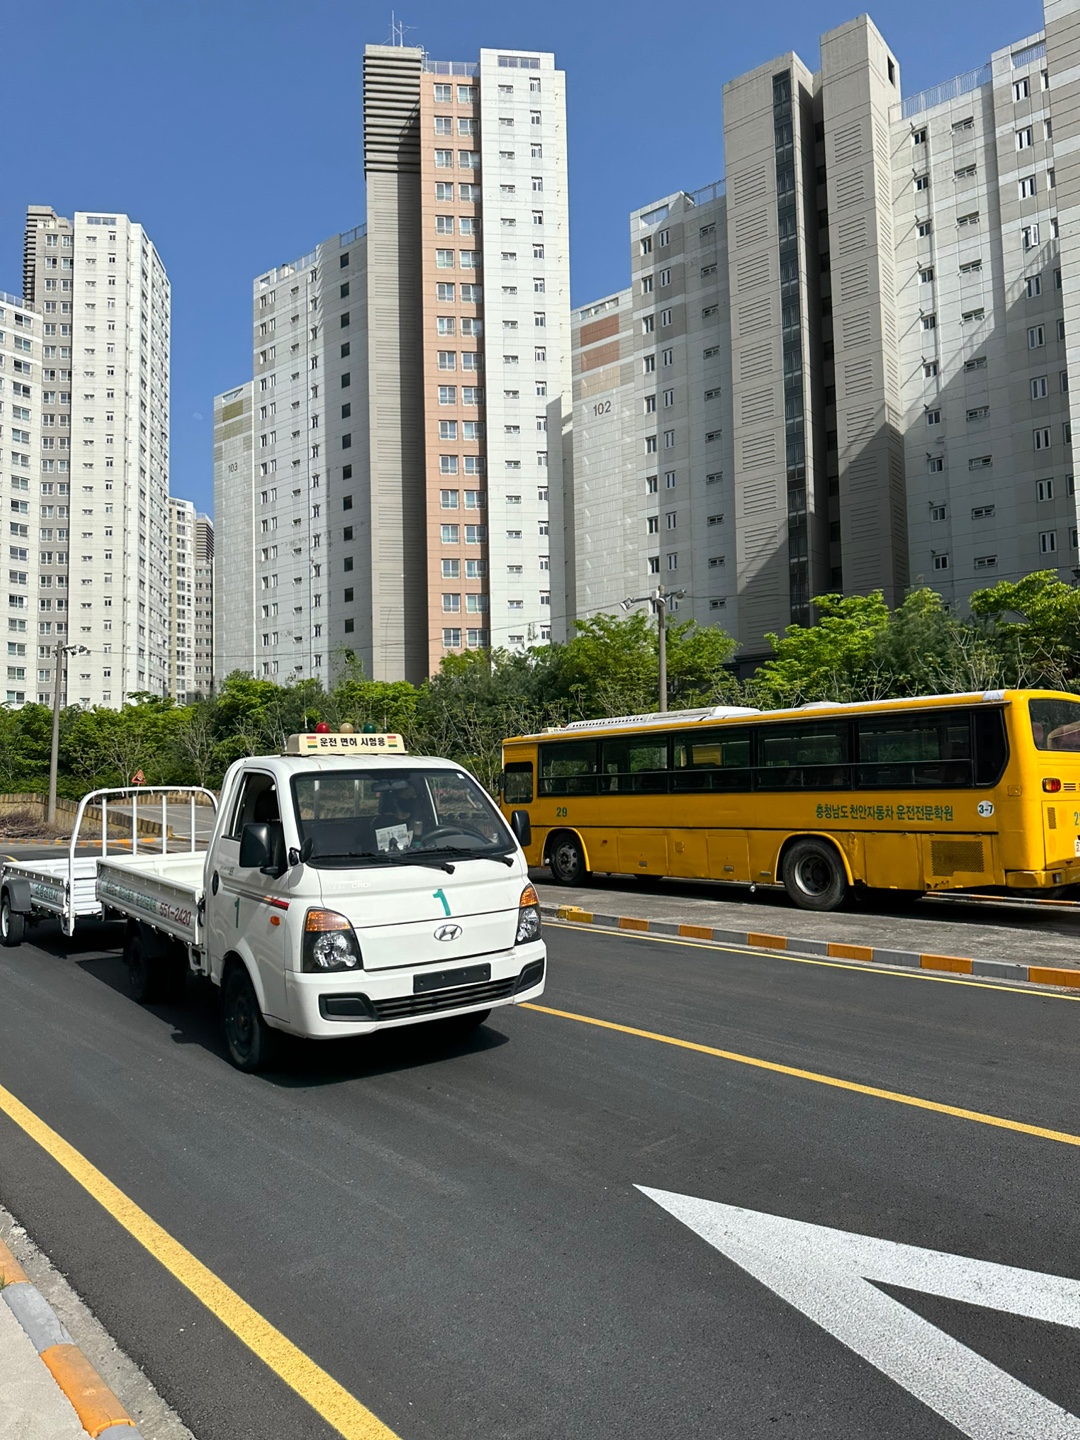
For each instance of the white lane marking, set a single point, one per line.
(828, 1275)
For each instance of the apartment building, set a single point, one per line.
(204, 608)
(430, 351)
(20, 419)
(181, 599)
(290, 453)
(86, 460)
(847, 367)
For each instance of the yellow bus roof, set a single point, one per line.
(735, 714)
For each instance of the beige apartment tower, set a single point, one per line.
(390, 488)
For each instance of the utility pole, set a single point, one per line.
(59, 652)
(661, 600)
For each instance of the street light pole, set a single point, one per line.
(59, 651)
(660, 599)
(661, 642)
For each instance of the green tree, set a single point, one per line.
(697, 662)
(1034, 626)
(836, 659)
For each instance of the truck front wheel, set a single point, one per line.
(250, 1041)
(12, 923)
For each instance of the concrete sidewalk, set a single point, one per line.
(62, 1376)
(32, 1405)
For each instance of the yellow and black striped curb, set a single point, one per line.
(833, 949)
(100, 1413)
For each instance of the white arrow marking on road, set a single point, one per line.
(828, 1275)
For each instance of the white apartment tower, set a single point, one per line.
(391, 484)
(89, 523)
(181, 599)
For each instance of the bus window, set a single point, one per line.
(929, 750)
(713, 760)
(991, 746)
(518, 783)
(802, 757)
(634, 763)
(568, 767)
(1055, 724)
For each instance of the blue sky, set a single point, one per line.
(231, 129)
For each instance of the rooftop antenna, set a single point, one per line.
(398, 29)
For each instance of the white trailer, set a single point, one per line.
(64, 886)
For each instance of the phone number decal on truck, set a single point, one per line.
(148, 904)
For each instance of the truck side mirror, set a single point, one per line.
(521, 825)
(262, 847)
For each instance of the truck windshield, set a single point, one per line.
(398, 816)
(1055, 724)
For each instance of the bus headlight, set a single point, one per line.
(330, 943)
(528, 926)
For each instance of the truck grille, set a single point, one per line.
(401, 1007)
(435, 1000)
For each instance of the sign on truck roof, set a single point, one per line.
(338, 742)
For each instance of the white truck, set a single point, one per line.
(347, 888)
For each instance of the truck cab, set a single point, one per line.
(349, 887)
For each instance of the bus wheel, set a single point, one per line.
(566, 859)
(813, 875)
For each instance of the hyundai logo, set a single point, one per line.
(448, 932)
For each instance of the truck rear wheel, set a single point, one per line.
(12, 923)
(145, 979)
(251, 1044)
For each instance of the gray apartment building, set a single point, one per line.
(847, 367)
(389, 484)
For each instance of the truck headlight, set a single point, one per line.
(329, 943)
(528, 926)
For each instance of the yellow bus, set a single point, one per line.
(945, 792)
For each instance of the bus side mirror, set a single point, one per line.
(521, 825)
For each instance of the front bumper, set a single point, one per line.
(358, 1002)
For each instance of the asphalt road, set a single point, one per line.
(455, 1233)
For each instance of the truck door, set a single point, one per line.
(239, 916)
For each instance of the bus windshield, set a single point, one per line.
(1055, 724)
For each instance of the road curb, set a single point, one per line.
(830, 949)
(100, 1413)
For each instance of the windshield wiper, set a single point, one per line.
(460, 853)
(386, 857)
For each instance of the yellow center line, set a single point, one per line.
(897, 1097)
(321, 1391)
(856, 967)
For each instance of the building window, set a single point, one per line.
(1041, 438)
(1038, 387)
(935, 464)
(1036, 336)
(941, 561)
(929, 322)
(1047, 542)
(933, 417)
(1044, 489)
